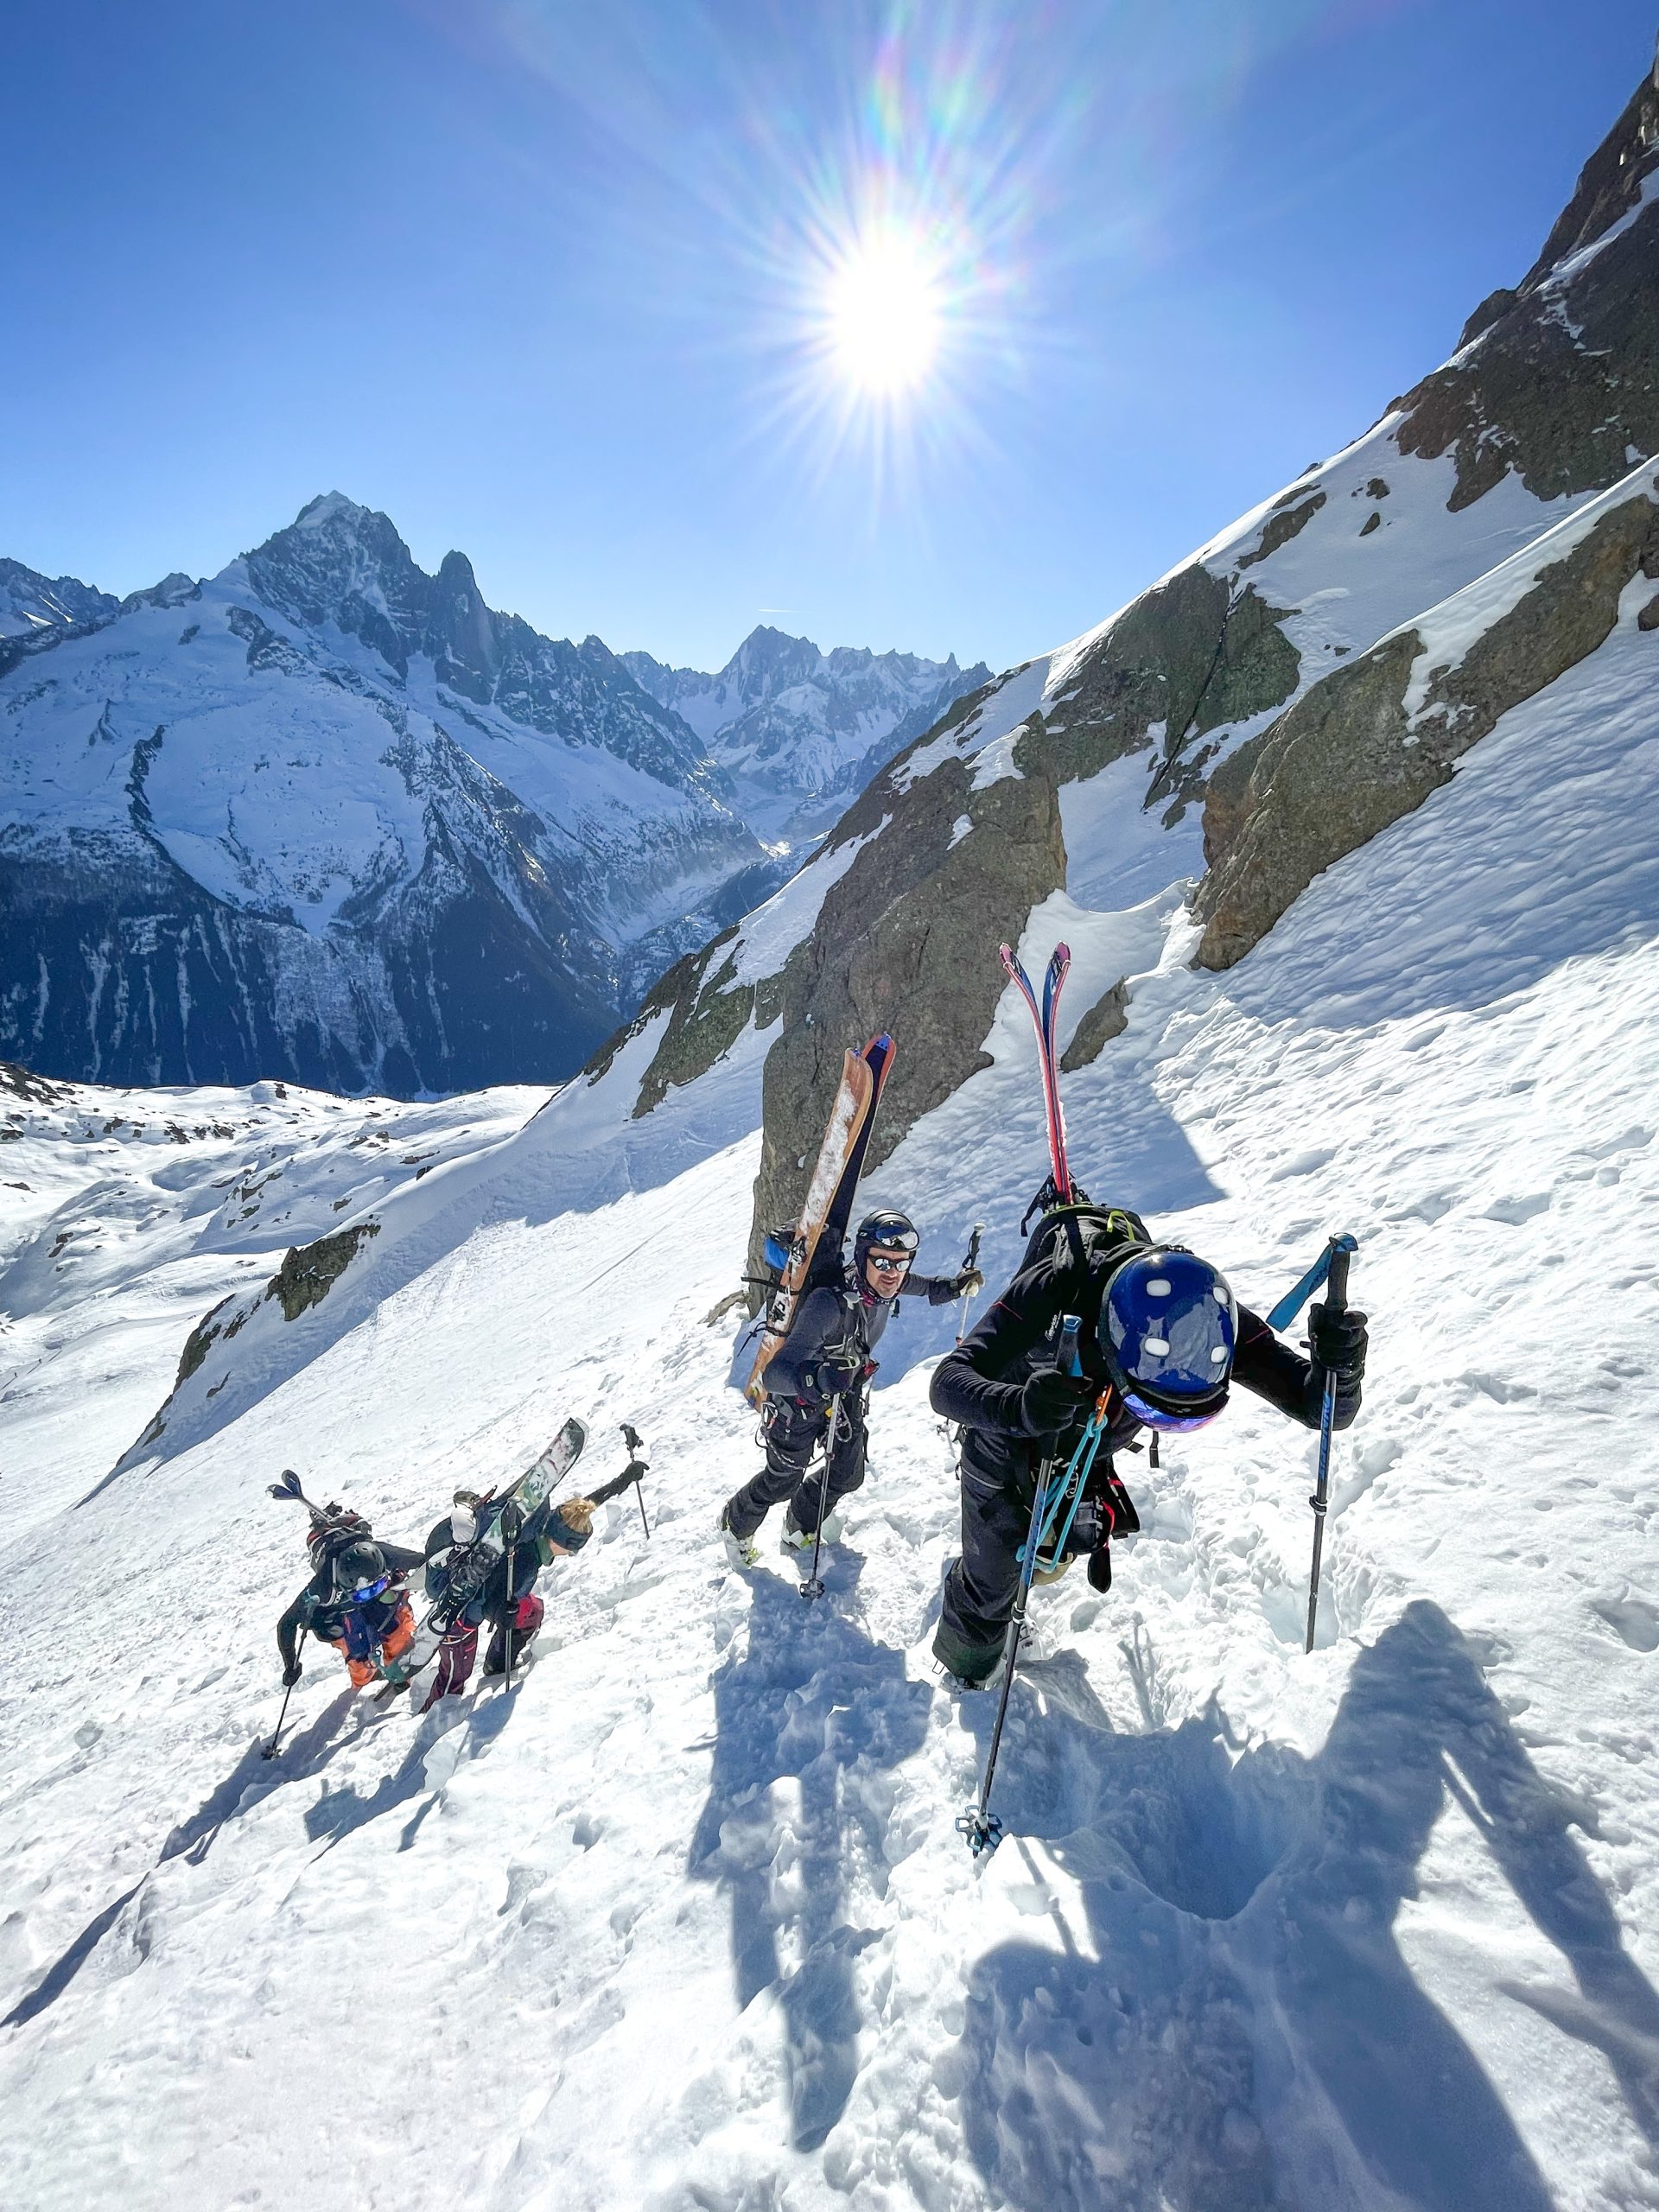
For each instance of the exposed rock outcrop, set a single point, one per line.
(906, 937)
(1109, 1017)
(310, 1272)
(1351, 757)
(1559, 378)
(307, 1275)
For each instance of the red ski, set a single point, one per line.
(1045, 1020)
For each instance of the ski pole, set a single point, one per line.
(982, 1828)
(1335, 1299)
(270, 1751)
(512, 1617)
(967, 1266)
(631, 1438)
(813, 1586)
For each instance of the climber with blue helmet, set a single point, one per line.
(1161, 1343)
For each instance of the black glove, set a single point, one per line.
(291, 1674)
(1337, 1342)
(838, 1371)
(969, 1279)
(617, 1484)
(1049, 1400)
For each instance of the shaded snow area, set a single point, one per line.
(682, 1921)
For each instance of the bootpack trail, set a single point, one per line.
(684, 1920)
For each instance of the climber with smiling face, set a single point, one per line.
(818, 1385)
(1160, 1342)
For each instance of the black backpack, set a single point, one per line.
(332, 1534)
(1069, 1235)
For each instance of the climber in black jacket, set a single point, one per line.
(1162, 1339)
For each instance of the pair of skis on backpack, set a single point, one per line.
(437, 1662)
(433, 1666)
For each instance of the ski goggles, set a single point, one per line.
(1172, 1424)
(365, 1592)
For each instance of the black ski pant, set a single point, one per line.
(793, 1432)
(983, 1581)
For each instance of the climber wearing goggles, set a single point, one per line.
(817, 1387)
(1162, 1341)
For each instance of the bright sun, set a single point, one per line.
(886, 314)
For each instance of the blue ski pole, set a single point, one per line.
(981, 1826)
(1336, 1298)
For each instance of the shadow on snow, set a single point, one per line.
(812, 1699)
(1248, 2033)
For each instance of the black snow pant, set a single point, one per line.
(982, 1585)
(793, 1432)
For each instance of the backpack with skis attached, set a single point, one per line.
(811, 1253)
(487, 1535)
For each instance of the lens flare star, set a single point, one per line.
(885, 306)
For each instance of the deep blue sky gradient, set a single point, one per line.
(526, 276)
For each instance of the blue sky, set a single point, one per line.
(557, 284)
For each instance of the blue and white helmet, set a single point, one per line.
(1168, 1330)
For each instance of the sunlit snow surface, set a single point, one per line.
(684, 1922)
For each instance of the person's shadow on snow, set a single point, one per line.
(1252, 2035)
(810, 1699)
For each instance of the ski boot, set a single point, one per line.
(802, 1540)
(742, 1551)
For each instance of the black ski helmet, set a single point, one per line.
(359, 1571)
(897, 1231)
(1168, 1330)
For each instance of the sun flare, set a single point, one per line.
(886, 310)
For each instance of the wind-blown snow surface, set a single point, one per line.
(683, 1922)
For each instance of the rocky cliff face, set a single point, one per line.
(1313, 673)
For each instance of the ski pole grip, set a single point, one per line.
(1070, 1363)
(1335, 1283)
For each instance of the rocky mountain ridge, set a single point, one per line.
(799, 731)
(326, 817)
(480, 848)
(1311, 674)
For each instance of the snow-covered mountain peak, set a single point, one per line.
(345, 564)
(31, 603)
(800, 731)
(328, 507)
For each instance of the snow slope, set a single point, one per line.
(684, 1922)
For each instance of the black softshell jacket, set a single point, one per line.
(833, 1317)
(978, 1384)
